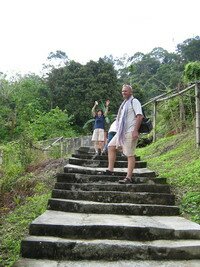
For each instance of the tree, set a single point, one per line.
(20, 102)
(54, 123)
(159, 54)
(190, 49)
(55, 60)
(192, 72)
(75, 87)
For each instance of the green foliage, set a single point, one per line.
(176, 114)
(85, 126)
(154, 72)
(54, 123)
(75, 87)
(168, 118)
(177, 159)
(191, 205)
(20, 102)
(14, 225)
(12, 166)
(16, 158)
(190, 49)
(159, 70)
(192, 71)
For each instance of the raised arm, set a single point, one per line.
(107, 104)
(93, 109)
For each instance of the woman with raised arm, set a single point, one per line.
(98, 136)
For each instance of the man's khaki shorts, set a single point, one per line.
(98, 135)
(129, 144)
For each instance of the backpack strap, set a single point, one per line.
(134, 110)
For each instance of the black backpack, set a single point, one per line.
(146, 124)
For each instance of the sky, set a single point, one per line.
(88, 29)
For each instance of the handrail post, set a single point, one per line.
(61, 148)
(197, 102)
(154, 120)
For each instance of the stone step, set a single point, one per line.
(86, 149)
(103, 163)
(101, 157)
(126, 263)
(153, 188)
(116, 197)
(109, 226)
(90, 151)
(81, 206)
(99, 178)
(57, 248)
(97, 170)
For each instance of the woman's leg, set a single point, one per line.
(101, 140)
(101, 146)
(96, 146)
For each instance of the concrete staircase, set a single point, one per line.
(94, 221)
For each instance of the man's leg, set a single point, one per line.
(129, 150)
(131, 166)
(111, 157)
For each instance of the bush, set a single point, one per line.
(52, 124)
(192, 72)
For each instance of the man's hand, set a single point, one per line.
(96, 103)
(135, 135)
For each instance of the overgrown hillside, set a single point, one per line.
(178, 159)
(175, 157)
(25, 200)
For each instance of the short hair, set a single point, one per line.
(100, 110)
(128, 86)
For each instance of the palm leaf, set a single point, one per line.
(88, 122)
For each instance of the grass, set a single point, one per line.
(15, 227)
(21, 205)
(177, 159)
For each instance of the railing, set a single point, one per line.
(60, 140)
(163, 97)
(67, 145)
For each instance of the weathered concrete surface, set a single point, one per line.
(56, 248)
(113, 226)
(90, 151)
(103, 223)
(116, 197)
(74, 177)
(153, 188)
(49, 263)
(82, 206)
(122, 171)
(101, 157)
(103, 163)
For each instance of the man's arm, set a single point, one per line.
(138, 120)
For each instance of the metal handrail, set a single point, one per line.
(49, 146)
